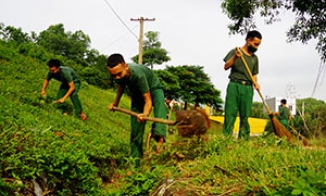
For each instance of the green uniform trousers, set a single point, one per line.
(137, 128)
(238, 99)
(74, 98)
(285, 123)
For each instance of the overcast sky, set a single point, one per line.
(193, 32)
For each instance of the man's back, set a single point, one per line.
(66, 75)
(142, 79)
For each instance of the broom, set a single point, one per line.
(279, 129)
(303, 138)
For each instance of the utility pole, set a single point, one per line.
(141, 32)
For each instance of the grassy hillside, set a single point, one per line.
(66, 156)
(32, 127)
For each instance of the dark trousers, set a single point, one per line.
(74, 98)
(137, 128)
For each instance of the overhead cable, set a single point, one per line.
(124, 24)
(321, 73)
(113, 42)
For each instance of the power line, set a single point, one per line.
(124, 24)
(113, 42)
(321, 70)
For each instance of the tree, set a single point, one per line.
(71, 48)
(314, 116)
(318, 121)
(152, 51)
(70, 45)
(97, 72)
(257, 110)
(310, 22)
(169, 81)
(54, 39)
(77, 46)
(12, 34)
(195, 86)
(152, 40)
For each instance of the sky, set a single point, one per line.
(193, 32)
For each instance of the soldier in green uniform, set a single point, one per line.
(240, 87)
(146, 92)
(152, 134)
(169, 107)
(69, 87)
(284, 114)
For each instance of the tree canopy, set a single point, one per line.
(68, 44)
(190, 84)
(12, 34)
(187, 83)
(310, 21)
(152, 51)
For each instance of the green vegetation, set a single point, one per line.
(38, 142)
(73, 48)
(66, 156)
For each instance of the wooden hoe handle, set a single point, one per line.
(158, 120)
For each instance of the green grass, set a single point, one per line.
(92, 157)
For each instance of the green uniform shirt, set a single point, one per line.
(238, 70)
(66, 75)
(284, 113)
(142, 80)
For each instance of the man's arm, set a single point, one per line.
(147, 106)
(44, 86)
(121, 89)
(256, 85)
(229, 63)
(69, 92)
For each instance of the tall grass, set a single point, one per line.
(70, 157)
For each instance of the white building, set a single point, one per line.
(274, 103)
